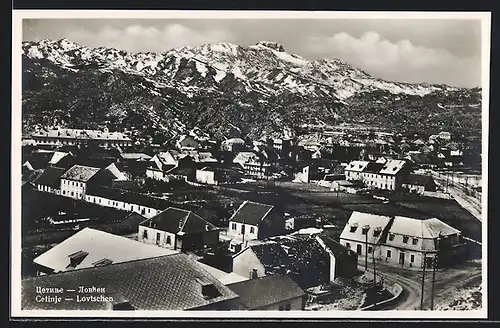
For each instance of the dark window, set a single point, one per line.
(348, 245)
(376, 232)
(234, 226)
(287, 307)
(353, 228)
(169, 241)
(391, 237)
(412, 258)
(388, 253)
(282, 307)
(72, 194)
(157, 237)
(364, 231)
(370, 249)
(405, 239)
(251, 229)
(359, 249)
(145, 234)
(414, 241)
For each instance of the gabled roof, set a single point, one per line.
(245, 156)
(51, 176)
(175, 220)
(251, 213)
(98, 245)
(356, 166)
(261, 292)
(224, 277)
(170, 282)
(354, 227)
(80, 173)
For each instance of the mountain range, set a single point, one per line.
(225, 90)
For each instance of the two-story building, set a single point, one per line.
(353, 171)
(76, 181)
(179, 229)
(253, 165)
(50, 180)
(254, 221)
(408, 242)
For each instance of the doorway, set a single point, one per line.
(402, 258)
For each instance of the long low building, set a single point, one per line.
(104, 138)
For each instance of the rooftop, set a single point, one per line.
(50, 177)
(98, 245)
(177, 220)
(251, 213)
(170, 282)
(258, 293)
(130, 197)
(80, 173)
(82, 134)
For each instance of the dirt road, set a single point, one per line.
(447, 282)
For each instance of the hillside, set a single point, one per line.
(225, 90)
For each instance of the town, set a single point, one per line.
(330, 218)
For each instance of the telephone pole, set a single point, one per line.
(423, 282)
(366, 228)
(374, 269)
(434, 271)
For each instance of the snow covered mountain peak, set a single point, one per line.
(271, 45)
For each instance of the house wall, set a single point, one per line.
(73, 189)
(147, 212)
(199, 240)
(296, 304)
(234, 230)
(151, 237)
(245, 262)
(207, 177)
(381, 181)
(156, 175)
(48, 189)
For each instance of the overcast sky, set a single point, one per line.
(434, 51)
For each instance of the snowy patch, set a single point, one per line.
(309, 231)
(202, 69)
(219, 75)
(237, 73)
(291, 59)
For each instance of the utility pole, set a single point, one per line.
(366, 228)
(434, 271)
(374, 269)
(423, 282)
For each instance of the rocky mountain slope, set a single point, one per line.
(224, 90)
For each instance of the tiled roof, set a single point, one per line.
(129, 197)
(373, 167)
(98, 245)
(258, 293)
(50, 177)
(245, 156)
(82, 134)
(175, 220)
(170, 282)
(80, 173)
(251, 213)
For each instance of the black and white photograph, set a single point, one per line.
(249, 164)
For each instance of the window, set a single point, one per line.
(412, 258)
(64, 192)
(282, 307)
(145, 234)
(251, 229)
(391, 237)
(72, 194)
(414, 241)
(364, 231)
(287, 307)
(389, 253)
(233, 226)
(370, 249)
(376, 232)
(405, 239)
(169, 241)
(157, 237)
(359, 249)
(348, 245)
(353, 228)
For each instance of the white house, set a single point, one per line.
(76, 181)
(353, 170)
(400, 240)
